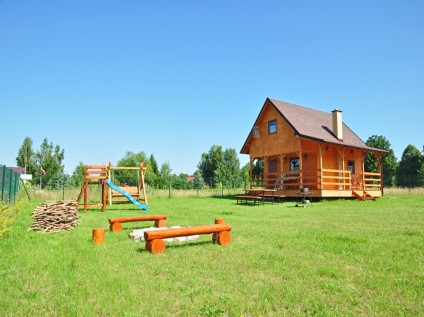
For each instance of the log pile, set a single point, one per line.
(55, 216)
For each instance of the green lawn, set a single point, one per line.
(335, 258)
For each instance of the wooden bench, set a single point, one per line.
(246, 198)
(220, 234)
(274, 198)
(116, 223)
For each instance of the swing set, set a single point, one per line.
(138, 191)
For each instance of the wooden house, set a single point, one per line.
(306, 148)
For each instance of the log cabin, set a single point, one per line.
(306, 148)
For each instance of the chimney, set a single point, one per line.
(337, 124)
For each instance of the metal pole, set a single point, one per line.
(63, 187)
(169, 190)
(10, 186)
(16, 185)
(2, 183)
(29, 198)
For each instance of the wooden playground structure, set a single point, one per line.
(96, 175)
(138, 192)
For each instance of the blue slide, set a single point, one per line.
(123, 192)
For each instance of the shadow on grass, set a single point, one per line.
(176, 245)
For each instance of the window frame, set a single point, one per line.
(351, 167)
(294, 166)
(272, 123)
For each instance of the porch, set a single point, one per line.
(321, 183)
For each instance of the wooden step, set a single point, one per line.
(357, 195)
(369, 196)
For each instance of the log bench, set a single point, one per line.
(246, 198)
(115, 224)
(220, 234)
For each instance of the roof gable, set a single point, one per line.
(311, 124)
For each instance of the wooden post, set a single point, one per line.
(156, 246)
(265, 179)
(99, 235)
(321, 174)
(104, 189)
(251, 173)
(143, 170)
(109, 175)
(380, 168)
(218, 221)
(85, 189)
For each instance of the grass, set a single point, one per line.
(336, 258)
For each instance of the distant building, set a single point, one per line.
(19, 170)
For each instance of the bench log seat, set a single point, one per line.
(115, 224)
(220, 234)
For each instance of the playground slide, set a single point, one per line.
(129, 197)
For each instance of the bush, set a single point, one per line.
(8, 214)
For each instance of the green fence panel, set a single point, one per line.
(9, 184)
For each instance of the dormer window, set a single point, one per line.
(272, 126)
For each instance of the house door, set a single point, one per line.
(272, 173)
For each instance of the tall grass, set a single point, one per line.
(95, 193)
(404, 191)
(335, 258)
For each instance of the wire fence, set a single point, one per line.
(9, 184)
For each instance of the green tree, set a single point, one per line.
(220, 167)
(130, 177)
(198, 180)
(154, 164)
(164, 175)
(408, 172)
(245, 174)
(78, 175)
(180, 182)
(230, 169)
(61, 181)
(153, 171)
(258, 167)
(26, 157)
(210, 165)
(50, 158)
(388, 161)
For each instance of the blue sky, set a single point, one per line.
(172, 78)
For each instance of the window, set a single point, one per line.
(294, 164)
(272, 126)
(351, 166)
(256, 133)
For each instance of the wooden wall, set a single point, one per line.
(283, 141)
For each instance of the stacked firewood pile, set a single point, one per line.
(55, 216)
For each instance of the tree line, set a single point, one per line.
(217, 168)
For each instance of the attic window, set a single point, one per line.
(256, 132)
(272, 126)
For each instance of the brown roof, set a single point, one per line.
(314, 125)
(19, 170)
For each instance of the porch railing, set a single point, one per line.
(372, 181)
(336, 179)
(325, 179)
